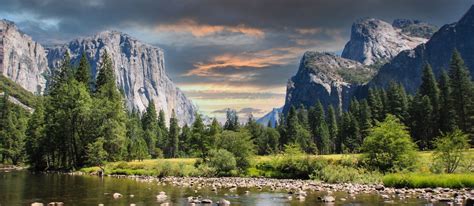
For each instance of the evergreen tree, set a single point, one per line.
(349, 135)
(447, 120)
(151, 130)
(461, 92)
(429, 87)
(110, 112)
(173, 136)
(199, 139)
(135, 135)
(232, 122)
(397, 101)
(35, 138)
(332, 126)
(365, 118)
(83, 73)
(375, 104)
(422, 121)
(162, 131)
(185, 139)
(319, 128)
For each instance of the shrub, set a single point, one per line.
(239, 144)
(222, 161)
(344, 174)
(389, 147)
(450, 150)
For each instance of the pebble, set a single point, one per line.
(117, 195)
(37, 204)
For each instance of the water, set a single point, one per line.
(24, 188)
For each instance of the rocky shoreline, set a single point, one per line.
(298, 189)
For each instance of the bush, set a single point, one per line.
(389, 147)
(222, 161)
(450, 151)
(415, 180)
(344, 174)
(239, 144)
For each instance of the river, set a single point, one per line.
(24, 188)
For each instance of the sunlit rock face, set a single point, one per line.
(327, 78)
(22, 59)
(271, 118)
(375, 41)
(406, 67)
(139, 69)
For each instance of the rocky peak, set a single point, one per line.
(327, 78)
(139, 69)
(376, 41)
(271, 117)
(22, 59)
(415, 28)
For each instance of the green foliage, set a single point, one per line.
(223, 161)
(415, 180)
(96, 154)
(389, 146)
(238, 143)
(462, 93)
(14, 90)
(451, 149)
(344, 174)
(232, 122)
(173, 136)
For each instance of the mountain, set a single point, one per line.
(271, 117)
(139, 69)
(375, 41)
(415, 28)
(406, 67)
(21, 59)
(325, 77)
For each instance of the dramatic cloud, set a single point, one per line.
(223, 54)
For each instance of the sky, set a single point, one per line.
(224, 53)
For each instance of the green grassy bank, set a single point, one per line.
(327, 168)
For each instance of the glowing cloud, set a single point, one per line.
(203, 30)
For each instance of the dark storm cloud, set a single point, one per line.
(86, 16)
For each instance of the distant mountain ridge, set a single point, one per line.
(139, 67)
(399, 63)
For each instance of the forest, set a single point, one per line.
(83, 121)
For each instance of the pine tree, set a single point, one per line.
(151, 130)
(461, 92)
(397, 101)
(429, 87)
(447, 120)
(376, 105)
(173, 136)
(185, 139)
(422, 121)
(214, 130)
(349, 135)
(162, 140)
(35, 138)
(365, 118)
(137, 146)
(110, 111)
(232, 122)
(332, 126)
(199, 138)
(83, 73)
(319, 128)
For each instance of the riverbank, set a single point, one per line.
(7, 168)
(323, 168)
(299, 189)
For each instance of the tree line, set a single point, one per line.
(83, 121)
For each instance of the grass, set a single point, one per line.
(421, 180)
(15, 90)
(334, 168)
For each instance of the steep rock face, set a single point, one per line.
(407, 66)
(375, 41)
(271, 117)
(139, 69)
(327, 78)
(22, 59)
